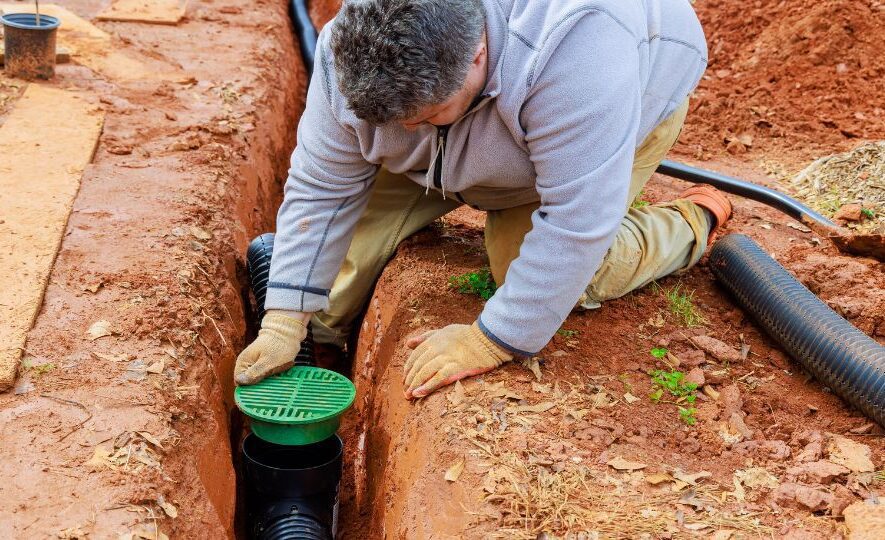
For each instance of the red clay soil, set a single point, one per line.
(189, 169)
(115, 436)
(805, 77)
(400, 451)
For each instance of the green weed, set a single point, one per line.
(568, 333)
(659, 352)
(639, 201)
(42, 369)
(673, 383)
(479, 283)
(682, 305)
(687, 415)
(868, 213)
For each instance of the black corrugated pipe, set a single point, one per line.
(842, 357)
(258, 265)
(292, 491)
(728, 184)
(305, 32)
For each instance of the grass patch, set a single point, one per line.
(681, 304)
(481, 283)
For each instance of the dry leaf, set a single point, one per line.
(739, 493)
(455, 396)
(533, 365)
(794, 225)
(622, 464)
(658, 478)
(541, 388)
(156, 367)
(455, 471)
(630, 398)
(122, 357)
(854, 455)
(691, 479)
(167, 507)
(101, 458)
(151, 439)
(99, 329)
(756, 477)
(200, 234)
(577, 414)
(537, 408)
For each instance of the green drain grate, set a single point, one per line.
(300, 406)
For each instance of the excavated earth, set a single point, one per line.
(135, 435)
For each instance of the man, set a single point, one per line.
(551, 116)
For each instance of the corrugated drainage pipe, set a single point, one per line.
(304, 31)
(842, 357)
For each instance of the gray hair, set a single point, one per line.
(393, 57)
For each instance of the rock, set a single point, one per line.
(736, 423)
(811, 452)
(692, 358)
(865, 521)
(849, 212)
(803, 497)
(819, 472)
(771, 449)
(854, 455)
(730, 400)
(695, 376)
(842, 498)
(717, 349)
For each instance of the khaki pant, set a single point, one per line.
(653, 241)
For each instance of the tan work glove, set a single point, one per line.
(273, 351)
(447, 355)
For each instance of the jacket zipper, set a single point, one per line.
(441, 133)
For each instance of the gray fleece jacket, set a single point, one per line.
(573, 87)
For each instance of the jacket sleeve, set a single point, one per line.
(326, 192)
(581, 119)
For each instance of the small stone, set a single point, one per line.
(842, 497)
(696, 377)
(736, 423)
(730, 400)
(717, 349)
(849, 212)
(693, 358)
(799, 496)
(819, 472)
(811, 452)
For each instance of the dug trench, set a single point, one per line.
(135, 432)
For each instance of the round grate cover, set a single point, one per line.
(302, 395)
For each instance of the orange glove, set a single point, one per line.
(447, 355)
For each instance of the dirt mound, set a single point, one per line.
(796, 75)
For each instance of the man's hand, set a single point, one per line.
(447, 355)
(273, 351)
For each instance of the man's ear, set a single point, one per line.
(480, 50)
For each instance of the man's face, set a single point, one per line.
(443, 114)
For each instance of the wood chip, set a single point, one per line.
(99, 329)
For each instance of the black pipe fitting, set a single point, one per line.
(292, 491)
(839, 355)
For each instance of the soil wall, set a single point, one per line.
(129, 433)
